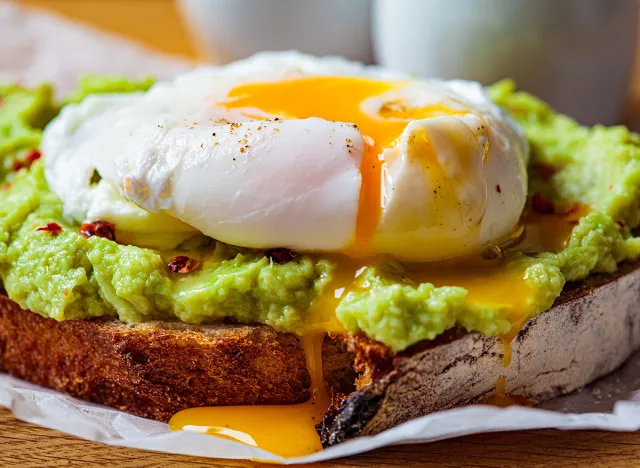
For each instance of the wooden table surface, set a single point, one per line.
(156, 23)
(29, 446)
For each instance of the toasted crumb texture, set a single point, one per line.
(338, 366)
(154, 369)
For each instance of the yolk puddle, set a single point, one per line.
(285, 430)
(341, 99)
(548, 232)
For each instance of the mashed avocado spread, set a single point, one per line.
(68, 276)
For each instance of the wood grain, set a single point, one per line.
(28, 446)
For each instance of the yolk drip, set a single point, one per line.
(549, 232)
(502, 399)
(341, 99)
(543, 233)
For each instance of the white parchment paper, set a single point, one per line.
(38, 47)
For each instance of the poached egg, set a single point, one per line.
(289, 150)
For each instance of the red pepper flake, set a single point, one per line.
(281, 255)
(53, 228)
(610, 186)
(575, 222)
(31, 157)
(573, 210)
(498, 188)
(621, 224)
(541, 204)
(545, 171)
(103, 229)
(182, 264)
(6, 187)
(65, 292)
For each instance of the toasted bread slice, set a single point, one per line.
(153, 369)
(159, 368)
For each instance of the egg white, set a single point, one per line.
(174, 160)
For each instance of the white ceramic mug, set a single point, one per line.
(232, 29)
(575, 54)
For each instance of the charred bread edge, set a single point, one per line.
(593, 327)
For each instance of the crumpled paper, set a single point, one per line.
(601, 405)
(38, 47)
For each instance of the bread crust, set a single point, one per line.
(154, 369)
(591, 330)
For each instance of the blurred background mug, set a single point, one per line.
(233, 29)
(576, 54)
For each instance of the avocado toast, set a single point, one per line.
(154, 331)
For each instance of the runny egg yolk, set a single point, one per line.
(286, 430)
(289, 430)
(341, 99)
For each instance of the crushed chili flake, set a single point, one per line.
(32, 156)
(545, 171)
(281, 255)
(65, 292)
(539, 204)
(610, 186)
(574, 222)
(498, 188)
(103, 229)
(53, 228)
(182, 264)
(621, 224)
(6, 187)
(573, 210)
